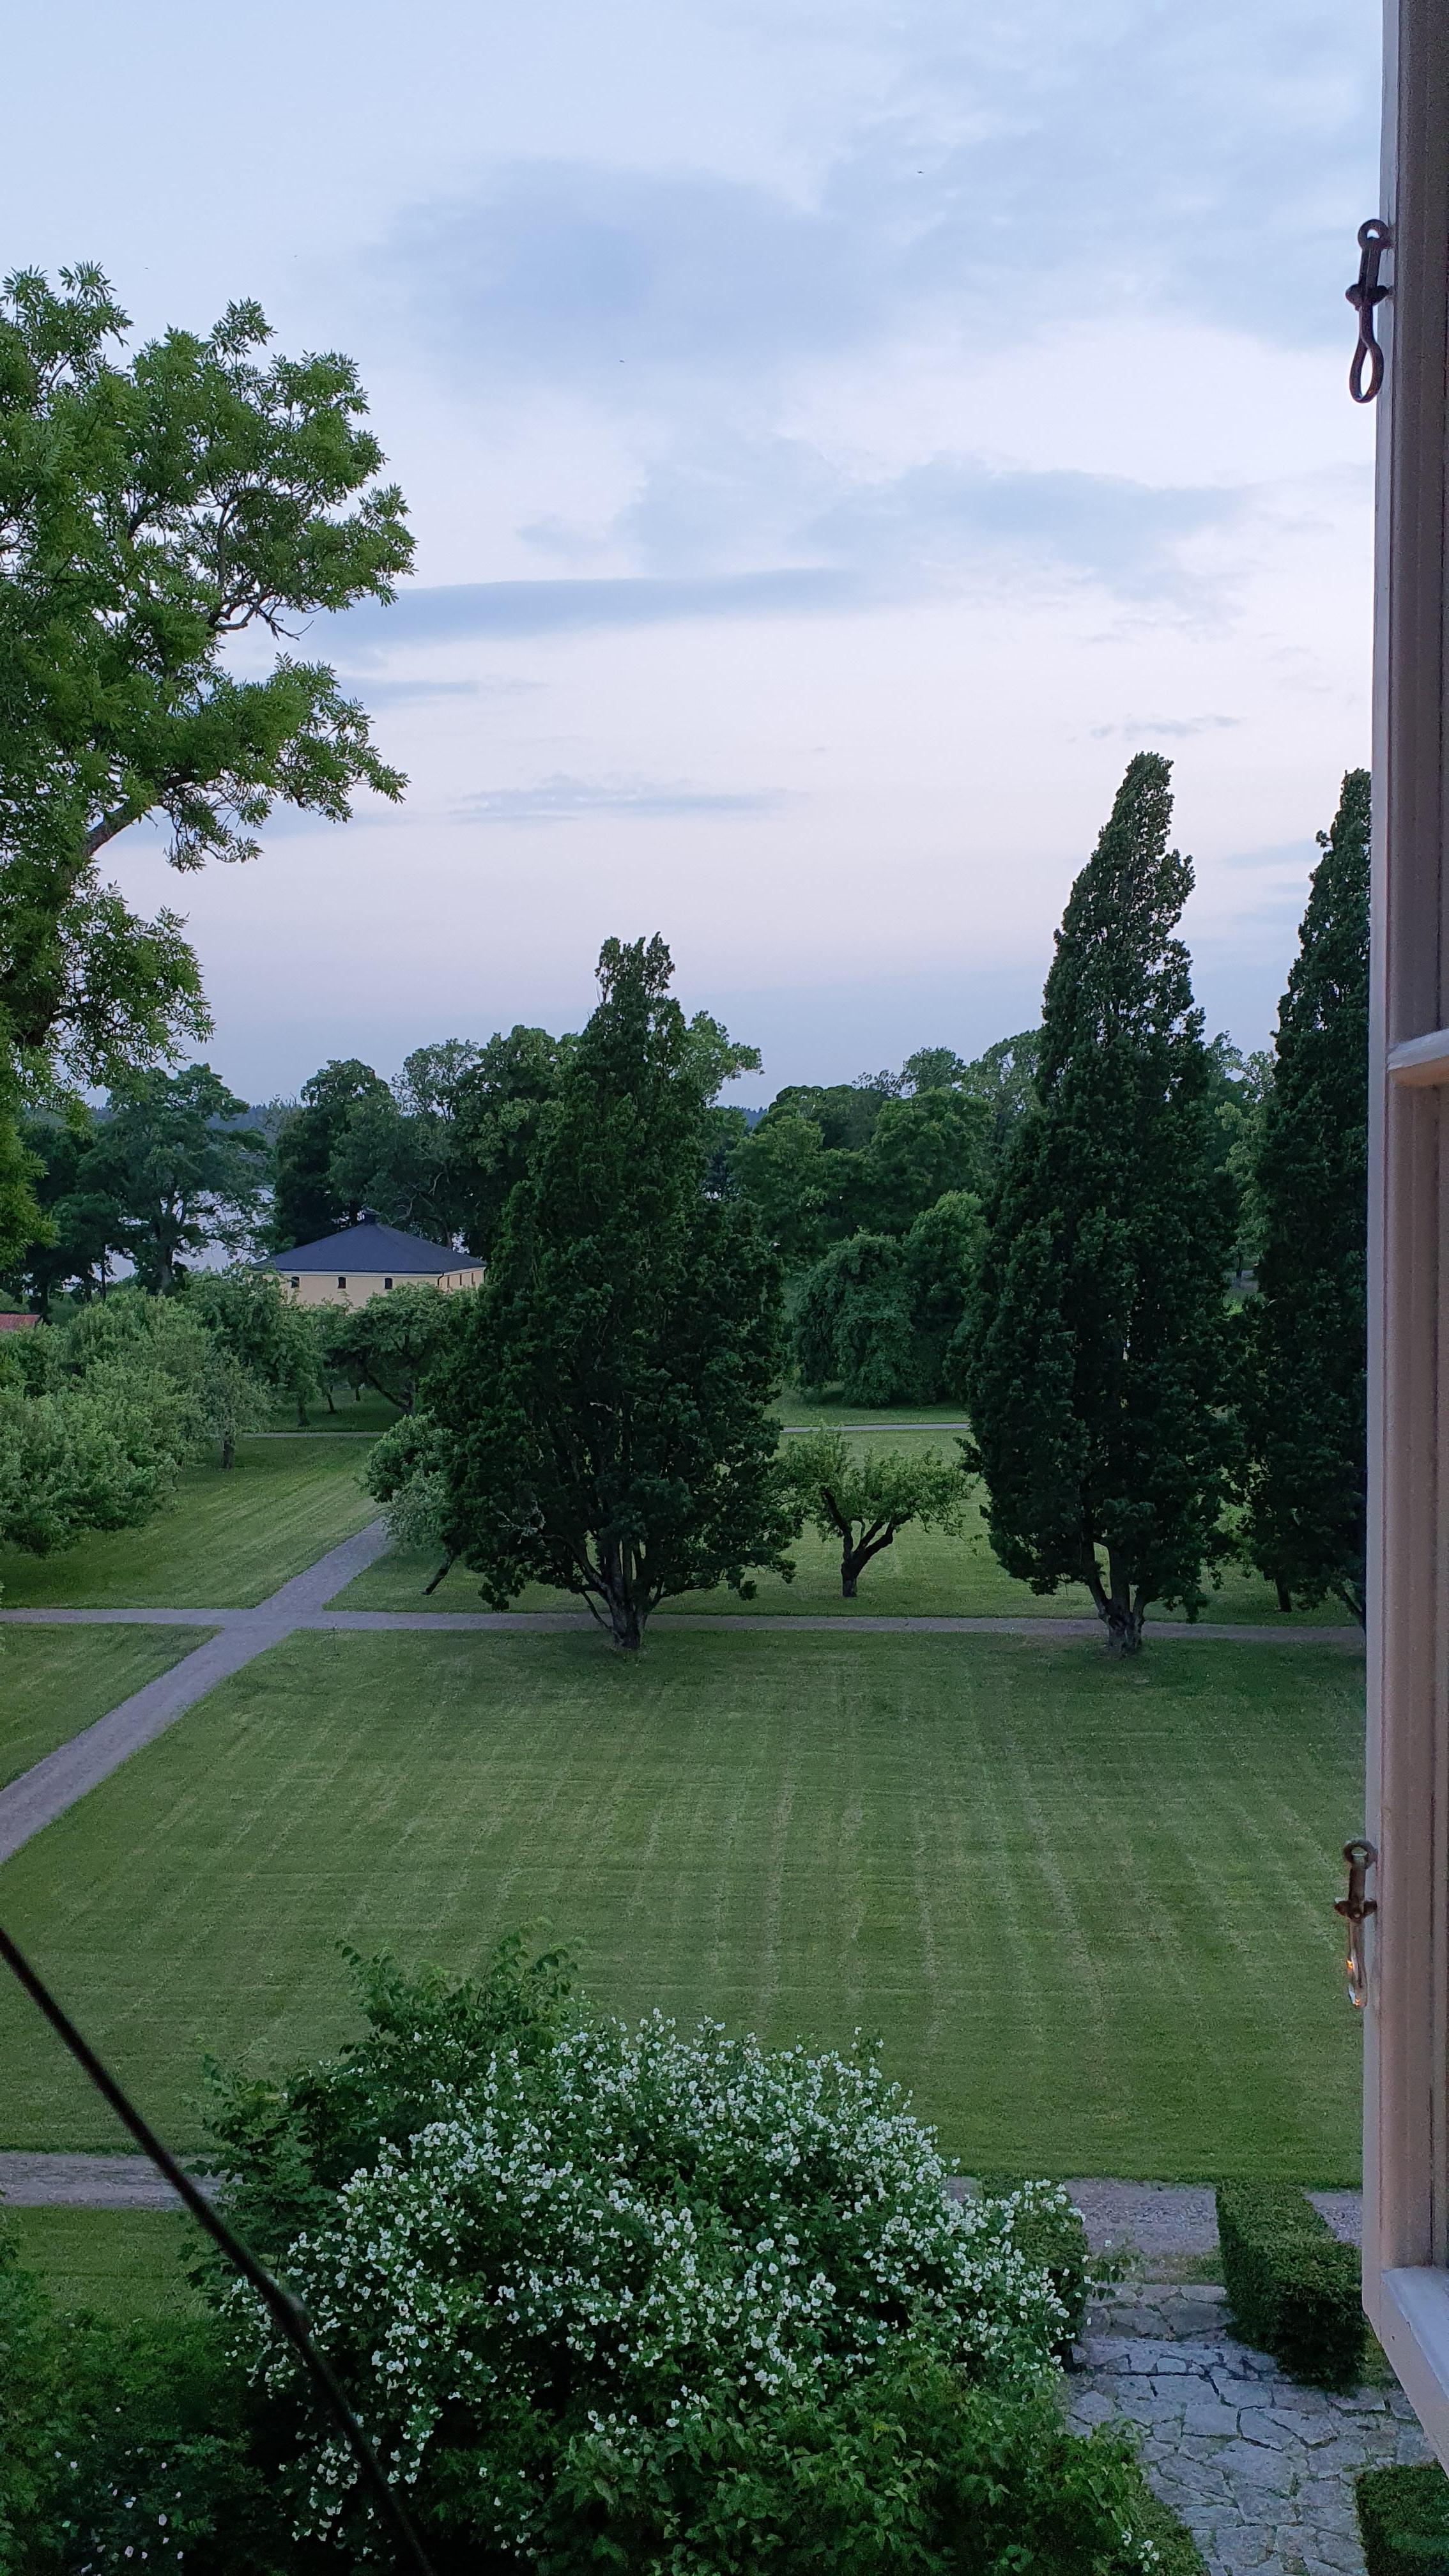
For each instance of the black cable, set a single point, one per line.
(284, 2309)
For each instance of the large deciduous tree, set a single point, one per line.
(177, 1177)
(1097, 1374)
(307, 1200)
(154, 506)
(603, 1415)
(1304, 1332)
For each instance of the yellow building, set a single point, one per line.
(365, 1260)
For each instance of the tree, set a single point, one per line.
(853, 1322)
(154, 506)
(249, 1314)
(150, 510)
(306, 1202)
(176, 1179)
(1005, 1079)
(883, 1316)
(499, 1106)
(1096, 1376)
(603, 1412)
(97, 1419)
(402, 1151)
(943, 1261)
(933, 1069)
(74, 1249)
(865, 1498)
(1304, 1333)
(390, 1343)
(404, 1470)
(920, 1148)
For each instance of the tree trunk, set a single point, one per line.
(849, 1573)
(445, 1568)
(1285, 1597)
(228, 1449)
(1121, 1615)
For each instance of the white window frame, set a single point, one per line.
(1406, 2098)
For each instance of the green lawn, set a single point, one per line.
(922, 1575)
(1089, 1906)
(124, 2262)
(230, 1538)
(54, 1681)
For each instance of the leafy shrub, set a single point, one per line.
(123, 2447)
(650, 2298)
(1294, 2290)
(1403, 2520)
(404, 1470)
(1051, 2231)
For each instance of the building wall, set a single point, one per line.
(358, 1287)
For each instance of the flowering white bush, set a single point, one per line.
(669, 2224)
(660, 2301)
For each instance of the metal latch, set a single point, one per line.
(1356, 1909)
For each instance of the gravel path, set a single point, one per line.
(544, 1622)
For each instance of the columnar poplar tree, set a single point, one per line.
(1304, 1400)
(1097, 1373)
(602, 1415)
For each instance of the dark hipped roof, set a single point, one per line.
(371, 1247)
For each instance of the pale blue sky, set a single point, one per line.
(837, 436)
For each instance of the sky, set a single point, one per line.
(837, 438)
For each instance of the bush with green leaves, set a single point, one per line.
(1403, 2519)
(1293, 2288)
(124, 2447)
(404, 1472)
(653, 2298)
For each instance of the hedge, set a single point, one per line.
(1403, 2520)
(1294, 2290)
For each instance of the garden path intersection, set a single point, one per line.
(1266, 2483)
(236, 1636)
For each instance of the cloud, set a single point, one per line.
(953, 516)
(564, 800)
(566, 272)
(1162, 728)
(399, 693)
(457, 610)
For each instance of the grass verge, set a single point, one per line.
(54, 1681)
(123, 2262)
(230, 1538)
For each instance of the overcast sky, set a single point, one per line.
(839, 433)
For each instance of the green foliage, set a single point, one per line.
(884, 1317)
(1294, 2290)
(852, 1323)
(172, 1177)
(1004, 1079)
(1403, 2520)
(943, 1262)
(249, 1315)
(1304, 1335)
(123, 2446)
(648, 2297)
(404, 1470)
(1052, 2233)
(72, 1244)
(152, 507)
(919, 1149)
(306, 1202)
(390, 1343)
(802, 1191)
(602, 1409)
(863, 1497)
(1096, 1374)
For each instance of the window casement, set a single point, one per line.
(1406, 2102)
(341, 1283)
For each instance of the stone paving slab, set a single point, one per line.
(1259, 2469)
